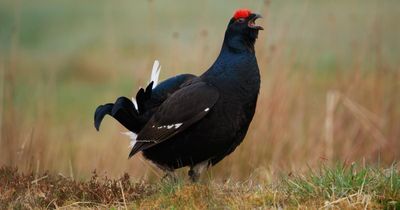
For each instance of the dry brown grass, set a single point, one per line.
(342, 187)
(50, 191)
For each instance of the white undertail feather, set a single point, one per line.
(155, 73)
(135, 103)
(132, 136)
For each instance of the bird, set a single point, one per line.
(195, 121)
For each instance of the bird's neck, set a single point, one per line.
(237, 57)
(234, 64)
(237, 43)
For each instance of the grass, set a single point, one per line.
(347, 184)
(330, 93)
(341, 187)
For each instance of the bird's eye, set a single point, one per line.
(240, 20)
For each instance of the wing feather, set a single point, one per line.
(178, 112)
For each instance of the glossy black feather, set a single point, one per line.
(147, 99)
(100, 112)
(142, 96)
(183, 108)
(124, 111)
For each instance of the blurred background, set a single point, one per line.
(330, 80)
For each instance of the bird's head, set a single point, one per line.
(242, 29)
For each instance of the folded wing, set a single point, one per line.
(179, 111)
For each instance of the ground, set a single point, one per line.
(343, 187)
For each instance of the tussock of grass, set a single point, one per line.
(341, 187)
(359, 186)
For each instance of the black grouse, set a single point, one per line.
(190, 120)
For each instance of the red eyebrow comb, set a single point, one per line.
(242, 13)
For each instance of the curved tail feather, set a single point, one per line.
(122, 110)
(125, 111)
(134, 114)
(100, 112)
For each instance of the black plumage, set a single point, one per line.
(192, 120)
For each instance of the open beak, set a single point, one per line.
(252, 24)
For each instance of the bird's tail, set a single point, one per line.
(130, 113)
